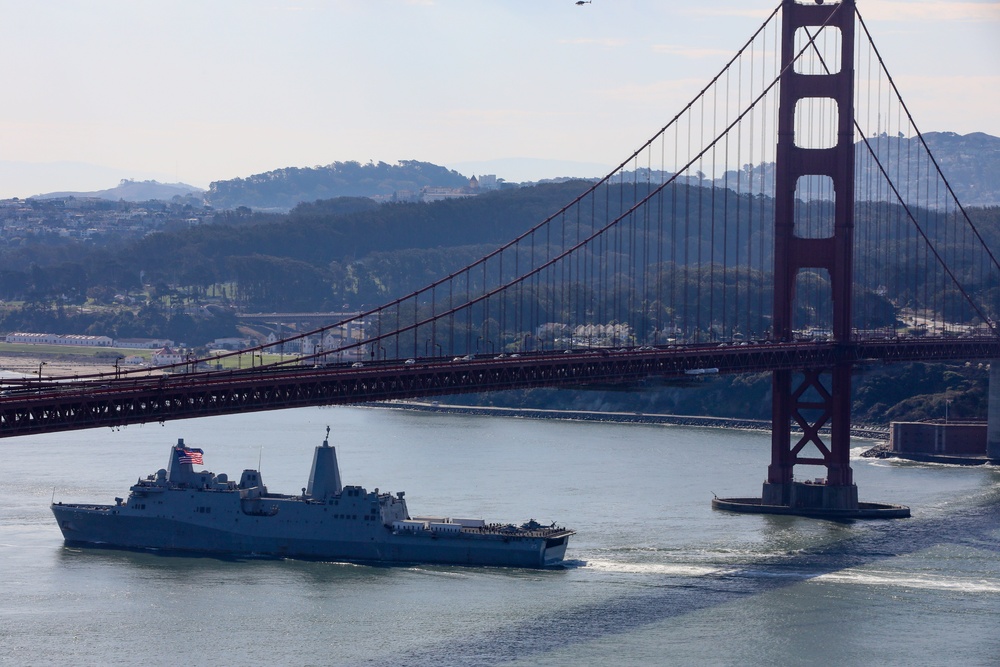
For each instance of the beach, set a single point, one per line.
(53, 365)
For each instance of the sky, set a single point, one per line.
(194, 92)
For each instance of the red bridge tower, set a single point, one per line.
(820, 397)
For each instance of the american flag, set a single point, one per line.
(192, 456)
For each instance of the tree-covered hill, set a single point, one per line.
(283, 189)
(352, 251)
(310, 256)
(970, 162)
(136, 191)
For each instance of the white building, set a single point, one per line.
(231, 344)
(488, 182)
(143, 343)
(58, 339)
(166, 357)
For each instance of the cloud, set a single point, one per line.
(656, 92)
(500, 117)
(957, 103)
(606, 42)
(946, 87)
(715, 11)
(930, 10)
(691, 51)
(885, 10)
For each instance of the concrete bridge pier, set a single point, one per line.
(810, 497)
(993, 414)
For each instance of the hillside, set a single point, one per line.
(334, 252)
(135, 191)
(283, 189)
(970, 163)
(352, 253)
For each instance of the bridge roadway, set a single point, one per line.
(39, 406)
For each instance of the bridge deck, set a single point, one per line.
(33, 406)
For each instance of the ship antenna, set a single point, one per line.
(326, 440)
(260, 455)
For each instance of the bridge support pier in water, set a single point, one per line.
(993, 414)
(818, 397)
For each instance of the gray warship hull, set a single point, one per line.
(187, 512)
(99, 526)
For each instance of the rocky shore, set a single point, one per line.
(872, 432)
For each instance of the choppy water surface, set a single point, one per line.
(654, 575)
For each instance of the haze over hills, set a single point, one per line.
(283, 189)
(970, 162)
(27, 179)
(132, 190)
(519, 169)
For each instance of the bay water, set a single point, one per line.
(653, 576)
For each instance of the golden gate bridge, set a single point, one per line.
(789, 219)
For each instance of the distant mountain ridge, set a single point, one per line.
(283, 189)
(970, 162)
(135, 191)
(533, 170)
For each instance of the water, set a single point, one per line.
(654, 575)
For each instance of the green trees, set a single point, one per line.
(266, 283)
(350, 252)
(283, 189)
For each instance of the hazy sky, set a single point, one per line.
(203, 91)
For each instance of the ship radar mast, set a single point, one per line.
(324, 478)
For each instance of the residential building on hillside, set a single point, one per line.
(488, 182)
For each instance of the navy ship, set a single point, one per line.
(180, 509)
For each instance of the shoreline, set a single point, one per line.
(28, 365)
(867, 432)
